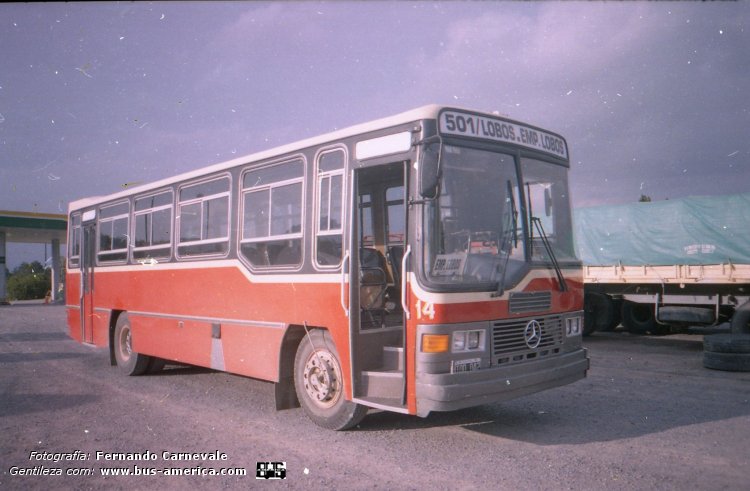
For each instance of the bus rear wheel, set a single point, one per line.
(319, 383)
(128, 361)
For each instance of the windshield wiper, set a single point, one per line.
(560, 278)
(514, 213)
(508, 232)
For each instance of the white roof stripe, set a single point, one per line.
(424, 112)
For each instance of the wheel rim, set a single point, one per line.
(322, 379)
(124, 343)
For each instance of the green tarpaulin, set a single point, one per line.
(694, 230)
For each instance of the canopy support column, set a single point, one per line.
(56, 272)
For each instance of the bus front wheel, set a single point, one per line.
(319, 383)
(128, 361)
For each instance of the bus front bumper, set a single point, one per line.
(447, 392)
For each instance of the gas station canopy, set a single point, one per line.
(33, 228)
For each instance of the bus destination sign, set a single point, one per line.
(476, 126)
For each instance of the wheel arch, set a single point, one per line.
(285, 395)
(113, 316)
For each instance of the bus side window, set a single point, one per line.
(272, 200)
(204, 218)
(329, 223)
(152, 228)
(74, 242)
(113, 232)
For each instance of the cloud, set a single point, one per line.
(642, 92)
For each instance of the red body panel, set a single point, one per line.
(172, 312)
(568, 301)
(73, 305)
(217, 317)
(447, 313)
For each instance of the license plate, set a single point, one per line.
(466, 365)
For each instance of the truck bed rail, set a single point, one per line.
(674, 274)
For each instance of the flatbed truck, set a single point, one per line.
(662, 267)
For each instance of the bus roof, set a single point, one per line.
(430, 111)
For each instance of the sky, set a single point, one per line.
(652, 97)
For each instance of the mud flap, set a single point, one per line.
(284, 394)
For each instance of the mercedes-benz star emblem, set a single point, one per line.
(533, 334)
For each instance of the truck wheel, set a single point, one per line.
(741, 319)
(616, 316)
(590, 313)
(729, 362)
(638, 318)
(598, 313)
(128, 361)
(319, 383)
(727, 343)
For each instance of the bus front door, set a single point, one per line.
(377, 239)
(88, 252)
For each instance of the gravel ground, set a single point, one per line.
(649, 416)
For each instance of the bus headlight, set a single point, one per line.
(573, 326)
(468, 340)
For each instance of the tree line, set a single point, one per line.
(28, 281)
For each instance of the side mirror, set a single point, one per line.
(429, 171)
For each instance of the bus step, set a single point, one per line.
(387, 384)
(393, 358)
(385, 403)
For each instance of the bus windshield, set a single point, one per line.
(548, 204)
(474, 230)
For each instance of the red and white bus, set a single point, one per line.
(422, 262)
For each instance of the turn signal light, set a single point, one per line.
(435, 343)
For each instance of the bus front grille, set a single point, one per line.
(523, 302)
(509, 339)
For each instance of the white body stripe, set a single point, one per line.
(222, 263)
(471, 297)
(419, 292)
